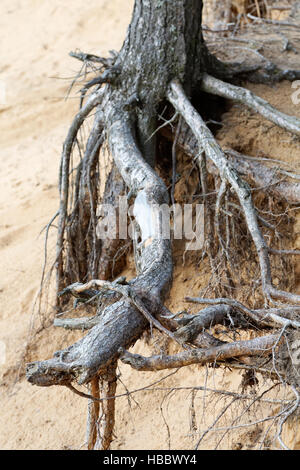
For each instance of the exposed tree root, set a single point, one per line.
(128, 293)
(93, 415)
(123, 327)
(272, 180)
(266, 317)
(227, 173)
(93, 147)
(119, 325)
(246, 97)
(258, 346)
(125, 116)
(106, 423)
(101, 411)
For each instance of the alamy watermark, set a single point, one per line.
(144, 222)
(296, 95)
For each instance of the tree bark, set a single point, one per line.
(164, 41)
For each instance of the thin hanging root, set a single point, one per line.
(93, 414)
(214, 152)
(242, 95)
(221, 194)
(255, 347)
(249, 167)
(80, 254)
(92, 102)
(91, 162)
(101, 411)
(289, 411)
(108, 386)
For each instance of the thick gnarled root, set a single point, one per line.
(258, 346)
(84, 359)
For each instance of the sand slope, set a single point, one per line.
(36, 37)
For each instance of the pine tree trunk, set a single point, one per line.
(164, 41)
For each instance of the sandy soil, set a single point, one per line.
(36, 39)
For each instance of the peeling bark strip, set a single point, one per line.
(253, 347)
(111, 261)
(265, 177)
(82, 323)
